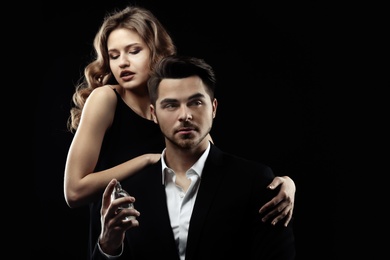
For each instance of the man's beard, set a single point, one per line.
(187, 141)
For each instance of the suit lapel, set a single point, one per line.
(211, 179)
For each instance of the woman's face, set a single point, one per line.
(129, 58)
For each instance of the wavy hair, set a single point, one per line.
(97, 73)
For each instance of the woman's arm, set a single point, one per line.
(80, 185)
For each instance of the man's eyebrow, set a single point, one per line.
(197, 95)
(170, 100)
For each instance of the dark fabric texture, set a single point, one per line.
(225, 223)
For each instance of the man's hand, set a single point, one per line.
(113, 221)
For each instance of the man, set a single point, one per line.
(197, 202)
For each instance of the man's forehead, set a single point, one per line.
(181, 86)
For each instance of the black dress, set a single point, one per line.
(129, 136)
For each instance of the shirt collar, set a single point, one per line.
(197, 167)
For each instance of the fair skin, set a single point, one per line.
(129, 63)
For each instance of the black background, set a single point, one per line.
(275, 91)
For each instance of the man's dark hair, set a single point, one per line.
(178, 67)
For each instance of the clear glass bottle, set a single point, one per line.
(118, 192)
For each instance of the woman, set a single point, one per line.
(115, 135)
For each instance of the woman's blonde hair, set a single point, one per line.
(97, 73)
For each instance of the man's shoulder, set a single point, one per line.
(216, 153)
(230, 161)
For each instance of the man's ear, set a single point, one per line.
(215, 105)
(152, 112)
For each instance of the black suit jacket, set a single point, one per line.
(225, 222)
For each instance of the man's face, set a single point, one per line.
(184, 111)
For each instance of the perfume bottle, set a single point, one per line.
(118, 192)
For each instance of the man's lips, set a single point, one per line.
(186, 130)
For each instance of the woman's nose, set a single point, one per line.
(124, 62)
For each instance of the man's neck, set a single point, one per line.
(181, 160)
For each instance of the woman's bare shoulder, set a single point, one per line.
(100, 106)
(104, 93)
(102, 97)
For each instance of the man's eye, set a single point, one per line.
(196, 103)
(169, 105)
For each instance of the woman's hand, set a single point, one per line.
(282, 205)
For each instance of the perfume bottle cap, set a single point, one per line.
(118, 186)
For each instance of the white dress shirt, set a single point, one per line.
(181, 203)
